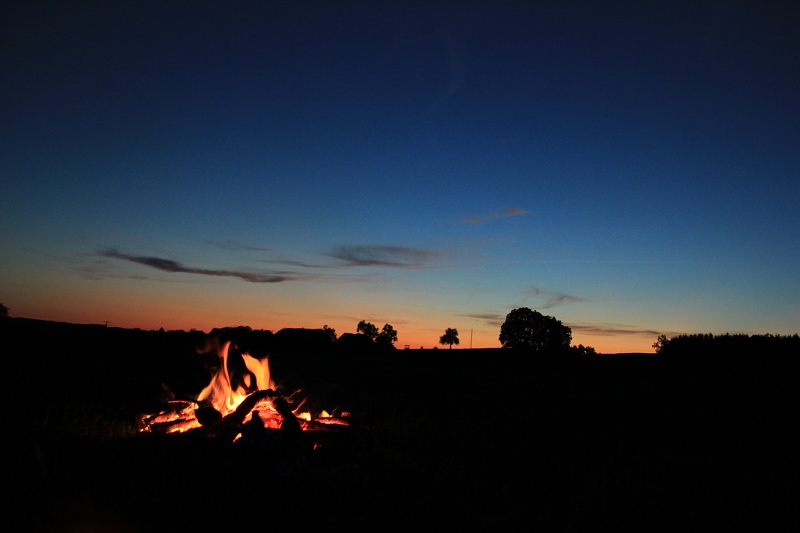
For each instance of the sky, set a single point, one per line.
(630, 168)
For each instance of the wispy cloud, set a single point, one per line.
(346, 256)
(601, 329)
(489, 318)
(503, 213)
(168, 265)
(230, 244)
(552, 299)
(386, 256)
(613, 330)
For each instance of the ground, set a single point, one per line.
(446, 438)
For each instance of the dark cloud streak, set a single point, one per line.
(387, 256)
(614, 330)
(230, 244)
(168, 265)
(491, 319)
(553, 299)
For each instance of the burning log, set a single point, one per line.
(230, 425)
(289, 442)
(206, 414)
(295, 444)
(290, 425)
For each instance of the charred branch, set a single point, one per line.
(230, 425)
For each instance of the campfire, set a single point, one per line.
(239, 401)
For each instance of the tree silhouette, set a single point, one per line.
(368, 328)
(524, 328)
(661, 343)
(3, 311)
(387, 336)
(450, 337)
(583, 350)
(330, 332)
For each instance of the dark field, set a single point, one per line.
(440, 439)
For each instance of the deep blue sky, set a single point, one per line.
(629, 169)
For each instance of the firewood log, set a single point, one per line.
(290, 426)
(228, 427)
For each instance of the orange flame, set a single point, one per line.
(220, 392)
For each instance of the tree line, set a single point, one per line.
(523, 329)
(700, 346)
(531, 331)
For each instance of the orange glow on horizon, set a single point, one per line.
(415, 338)
(191, 311)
